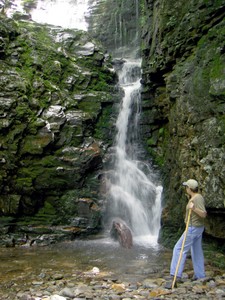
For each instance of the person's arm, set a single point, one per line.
(198, 211)
(201, 213)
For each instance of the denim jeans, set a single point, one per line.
(193, 242)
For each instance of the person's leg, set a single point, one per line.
(176, 253)
(197, 253)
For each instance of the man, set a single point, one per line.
(194, 234)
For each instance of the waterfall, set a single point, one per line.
(133, 195)
(64, 13)
(67, 14)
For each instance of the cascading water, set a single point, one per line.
(62, 13)
(67, 14)
(133, 195)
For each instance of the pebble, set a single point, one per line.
(100, 286)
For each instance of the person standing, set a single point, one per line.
(194, 234)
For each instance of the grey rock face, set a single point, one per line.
(184, 103)
(57, 91)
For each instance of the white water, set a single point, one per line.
(68, 14)
(134, 196)
(64, 13)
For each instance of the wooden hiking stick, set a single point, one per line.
(182, 248)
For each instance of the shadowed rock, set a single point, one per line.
(121, 232)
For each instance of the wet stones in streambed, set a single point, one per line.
(102, 285)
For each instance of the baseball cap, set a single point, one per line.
(191, 183)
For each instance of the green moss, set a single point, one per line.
(26, 175)
(45, 216)
(161, 131)
(14, 133)
(100, 85)
(157, 146)
(51, 180)
(104, 127)
(169, 235)
(221, 129)
(216, 248)
(25, 182)
(91, 107)
(48, 162)
(24, 185)
(217, 69)
(47, 209)
(158, 159)
(35, 144)
(23, 111)
(143, 10)
(150, 142)
(68, 205)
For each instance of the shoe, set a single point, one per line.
(194, 278)
(171, 277)
(179, 280)
(168, 284)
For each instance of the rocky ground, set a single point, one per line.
(104, 285)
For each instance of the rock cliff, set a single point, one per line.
(183, 50)
(57, 92)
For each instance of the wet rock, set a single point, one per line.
(149, 283)
(57, 297)
(211, 284)
(119, 287)
(114, 297)
(57, 276)
(121, 232)
(159, 292)
(37, 282)
(24, 296)
(67, 292)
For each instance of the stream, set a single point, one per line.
(45, 273)
(22, 266)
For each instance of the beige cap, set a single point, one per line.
(191, 183)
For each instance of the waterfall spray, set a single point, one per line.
(133, 195)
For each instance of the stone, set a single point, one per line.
(57, 276)
(57, 297)
(150, 283)
(67, 292)
(118, 287)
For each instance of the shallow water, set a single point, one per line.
(25, 265)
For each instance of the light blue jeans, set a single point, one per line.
(193, 242)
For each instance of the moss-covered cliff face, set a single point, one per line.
(57, 91)
(183, 48)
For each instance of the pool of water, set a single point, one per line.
(24, 265)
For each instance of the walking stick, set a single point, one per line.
(182, 248)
